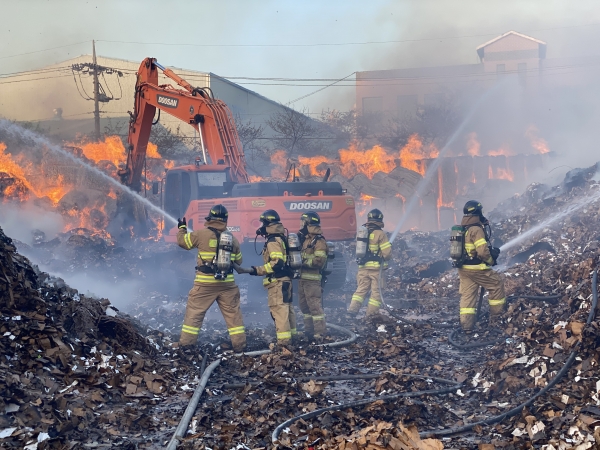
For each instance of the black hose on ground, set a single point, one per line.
(206, 373)
(385, 398)
(517, 409)
(452, 341)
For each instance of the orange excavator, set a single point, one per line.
(220, 175)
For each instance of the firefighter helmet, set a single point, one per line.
(311, 218)
(218, 212)
(270, 216)
(376, 215)
(473, 207)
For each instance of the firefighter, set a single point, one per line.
(310, 292)
(277, 275)
(207, 288)
(369, 268)
(476, 268)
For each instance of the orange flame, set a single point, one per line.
(412, 154)
(502, 151)
(473, 144)
(112, 149)
(538, 143)
(500, 174)
(280, 160)
(254, 178)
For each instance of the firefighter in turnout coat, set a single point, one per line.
(277, 275)
(380, 251)
(476, 269)
(206, 288)
(310, 292)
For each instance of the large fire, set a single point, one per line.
(65, 187)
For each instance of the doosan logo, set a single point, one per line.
(307, 206)
(169, 102)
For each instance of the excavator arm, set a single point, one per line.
(197, 107)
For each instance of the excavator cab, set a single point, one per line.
(187, 183)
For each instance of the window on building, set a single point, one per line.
(434, 99)
(407, 104)
(372, 104)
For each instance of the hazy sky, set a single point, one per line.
(439, 32)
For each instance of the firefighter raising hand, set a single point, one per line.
(277, 275)
(213, 281)
(181, 223)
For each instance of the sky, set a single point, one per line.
(288, 39)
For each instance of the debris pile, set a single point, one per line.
(72, 370)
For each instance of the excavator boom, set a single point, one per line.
(210, 117)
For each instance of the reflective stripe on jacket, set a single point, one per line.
(274, 255)
(476, 245)
(205, 241)
(314, 254)
(379, 245)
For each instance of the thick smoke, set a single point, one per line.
(20, 221)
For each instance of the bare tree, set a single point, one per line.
(434, 123)
(250, 136)
(293, 131)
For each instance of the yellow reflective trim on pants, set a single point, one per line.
(284, 335)
(502, 301)
(476, 267)
(310, 276)
(357, 298)
(190, 330)
(204, 278)
(321, 253)
(479, 242)
(293, 331)
(319, 317)
(467, 310)
(307, 316)
(374, 302)
(370, 264)
(385, 245)
(236, 330)
(188, 241)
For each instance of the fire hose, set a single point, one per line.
(489, 421)
(193, 404)
(517, 409)
(385, 398)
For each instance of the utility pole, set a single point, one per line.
(96, 94)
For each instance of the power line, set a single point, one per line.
(34, 79)
(319, 90)
(44, 50)
(337, 44)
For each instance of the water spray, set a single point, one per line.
(560, 215)
(17, 130)
(432, 169)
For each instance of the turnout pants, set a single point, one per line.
(310, 297)
(279, 295)
(200, 299)
(368, 280)
(470, 282)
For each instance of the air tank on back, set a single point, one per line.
(294, 252)
(223, 262)
(362, 242)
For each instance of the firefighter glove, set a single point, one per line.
(495, 252)
(253, 271)
(181, 223)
